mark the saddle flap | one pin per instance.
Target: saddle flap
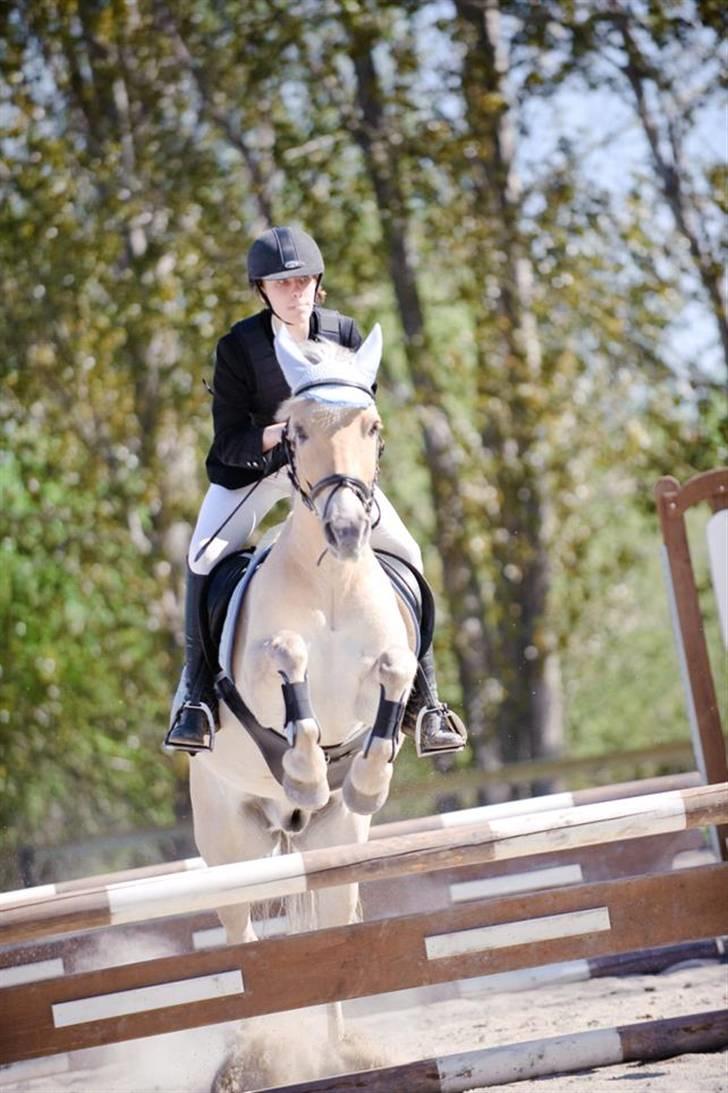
(227, 636)
(414, 592)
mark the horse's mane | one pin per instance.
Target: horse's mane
(322, 415)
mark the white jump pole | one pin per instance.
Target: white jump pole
(287, 874)
(457, 818)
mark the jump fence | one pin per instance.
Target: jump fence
(482, 937)
(458, 818)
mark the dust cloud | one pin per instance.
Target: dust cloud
(293, 1047)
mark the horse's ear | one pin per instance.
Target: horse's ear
(296, 368)
(369, 355)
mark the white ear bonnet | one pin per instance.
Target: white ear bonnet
(332, 381)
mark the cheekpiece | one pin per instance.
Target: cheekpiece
(335, 382)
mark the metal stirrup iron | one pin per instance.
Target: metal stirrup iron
(454, 723)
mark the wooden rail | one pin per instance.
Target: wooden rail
(269, 878)
(230, 983)
(678, 753)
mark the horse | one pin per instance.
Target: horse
(323, 649)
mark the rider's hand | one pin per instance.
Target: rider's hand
(272, 435)
(275, 459)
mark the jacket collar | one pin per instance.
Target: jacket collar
(266, 317)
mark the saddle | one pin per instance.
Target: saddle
(219, 613)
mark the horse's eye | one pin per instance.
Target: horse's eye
(300, 433)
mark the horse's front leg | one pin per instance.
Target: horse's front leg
(367, 784)
(304, 765)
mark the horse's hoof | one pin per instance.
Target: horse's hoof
(363, 804)
(310, 795)
(367, 784)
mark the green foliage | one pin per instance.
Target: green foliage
(80, 700)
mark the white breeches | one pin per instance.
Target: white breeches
(211, 541)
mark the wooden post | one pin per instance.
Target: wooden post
(672, 503)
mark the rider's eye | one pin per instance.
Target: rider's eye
(374, 428)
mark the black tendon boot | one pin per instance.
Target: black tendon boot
(195, 720)
(435, 728)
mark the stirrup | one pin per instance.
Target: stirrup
(454, 723)
(190, 746)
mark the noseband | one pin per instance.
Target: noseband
(337, 482)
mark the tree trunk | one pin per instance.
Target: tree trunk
(443, 455)
(527, 707)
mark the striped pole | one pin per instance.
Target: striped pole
(640, 962)
(440, 820)
(288, 874)
(644, 1042)
(530, 806)
(83, 884)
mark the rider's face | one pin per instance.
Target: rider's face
(292, 299)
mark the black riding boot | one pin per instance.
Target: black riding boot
(195, 721)
(435, 728)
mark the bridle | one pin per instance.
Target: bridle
(336, 482)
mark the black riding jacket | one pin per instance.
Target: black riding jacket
(248, 387)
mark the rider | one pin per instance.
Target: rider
(246, 467)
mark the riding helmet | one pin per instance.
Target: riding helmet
(284, 252)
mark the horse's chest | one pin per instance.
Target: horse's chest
(360, 630)
(346, 649)
(342, 631)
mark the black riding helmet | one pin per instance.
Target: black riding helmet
(284, 252)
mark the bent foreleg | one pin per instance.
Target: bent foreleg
(367, 783)
(304, 764)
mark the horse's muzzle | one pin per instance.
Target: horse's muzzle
(346, 538)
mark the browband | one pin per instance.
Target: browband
(332, 383)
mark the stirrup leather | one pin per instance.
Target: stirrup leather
(454, 724)
(189, 746)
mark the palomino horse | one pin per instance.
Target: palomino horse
(324, 649)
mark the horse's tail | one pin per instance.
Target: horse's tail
(295, 913)
(301, 908)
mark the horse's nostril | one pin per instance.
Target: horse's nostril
(341, 534)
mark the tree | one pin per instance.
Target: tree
(378, 140)
(664, 58)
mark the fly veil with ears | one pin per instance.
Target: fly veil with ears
(324, 380)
